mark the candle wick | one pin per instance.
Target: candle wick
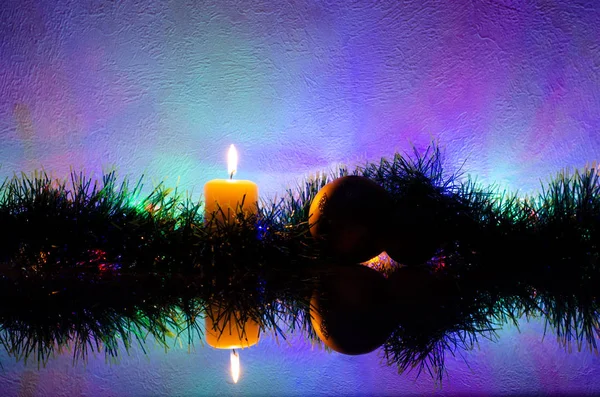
(231, 175)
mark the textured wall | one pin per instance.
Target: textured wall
(162, 88)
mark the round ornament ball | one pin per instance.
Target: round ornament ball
(350, 310)
(349, 216)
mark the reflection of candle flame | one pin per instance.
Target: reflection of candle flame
(232, 159)
(235, 366)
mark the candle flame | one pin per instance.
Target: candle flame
(235, 366)
(232, 159)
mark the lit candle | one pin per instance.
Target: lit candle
(223, 199)
(227, 195)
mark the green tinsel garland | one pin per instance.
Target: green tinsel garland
(91, 265)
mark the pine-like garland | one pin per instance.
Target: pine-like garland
(91, 264)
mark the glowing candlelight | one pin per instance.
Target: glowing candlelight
(234, 358)
(232, 160)
(229, 194)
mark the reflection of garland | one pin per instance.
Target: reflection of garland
(95, 265)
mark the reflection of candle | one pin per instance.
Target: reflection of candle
(226, 334)
(228, 194)
(234, 360)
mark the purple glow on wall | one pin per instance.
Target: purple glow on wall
(517, 364)
(508, 88)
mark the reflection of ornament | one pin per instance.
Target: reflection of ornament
(349, 216)
(350, 310)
